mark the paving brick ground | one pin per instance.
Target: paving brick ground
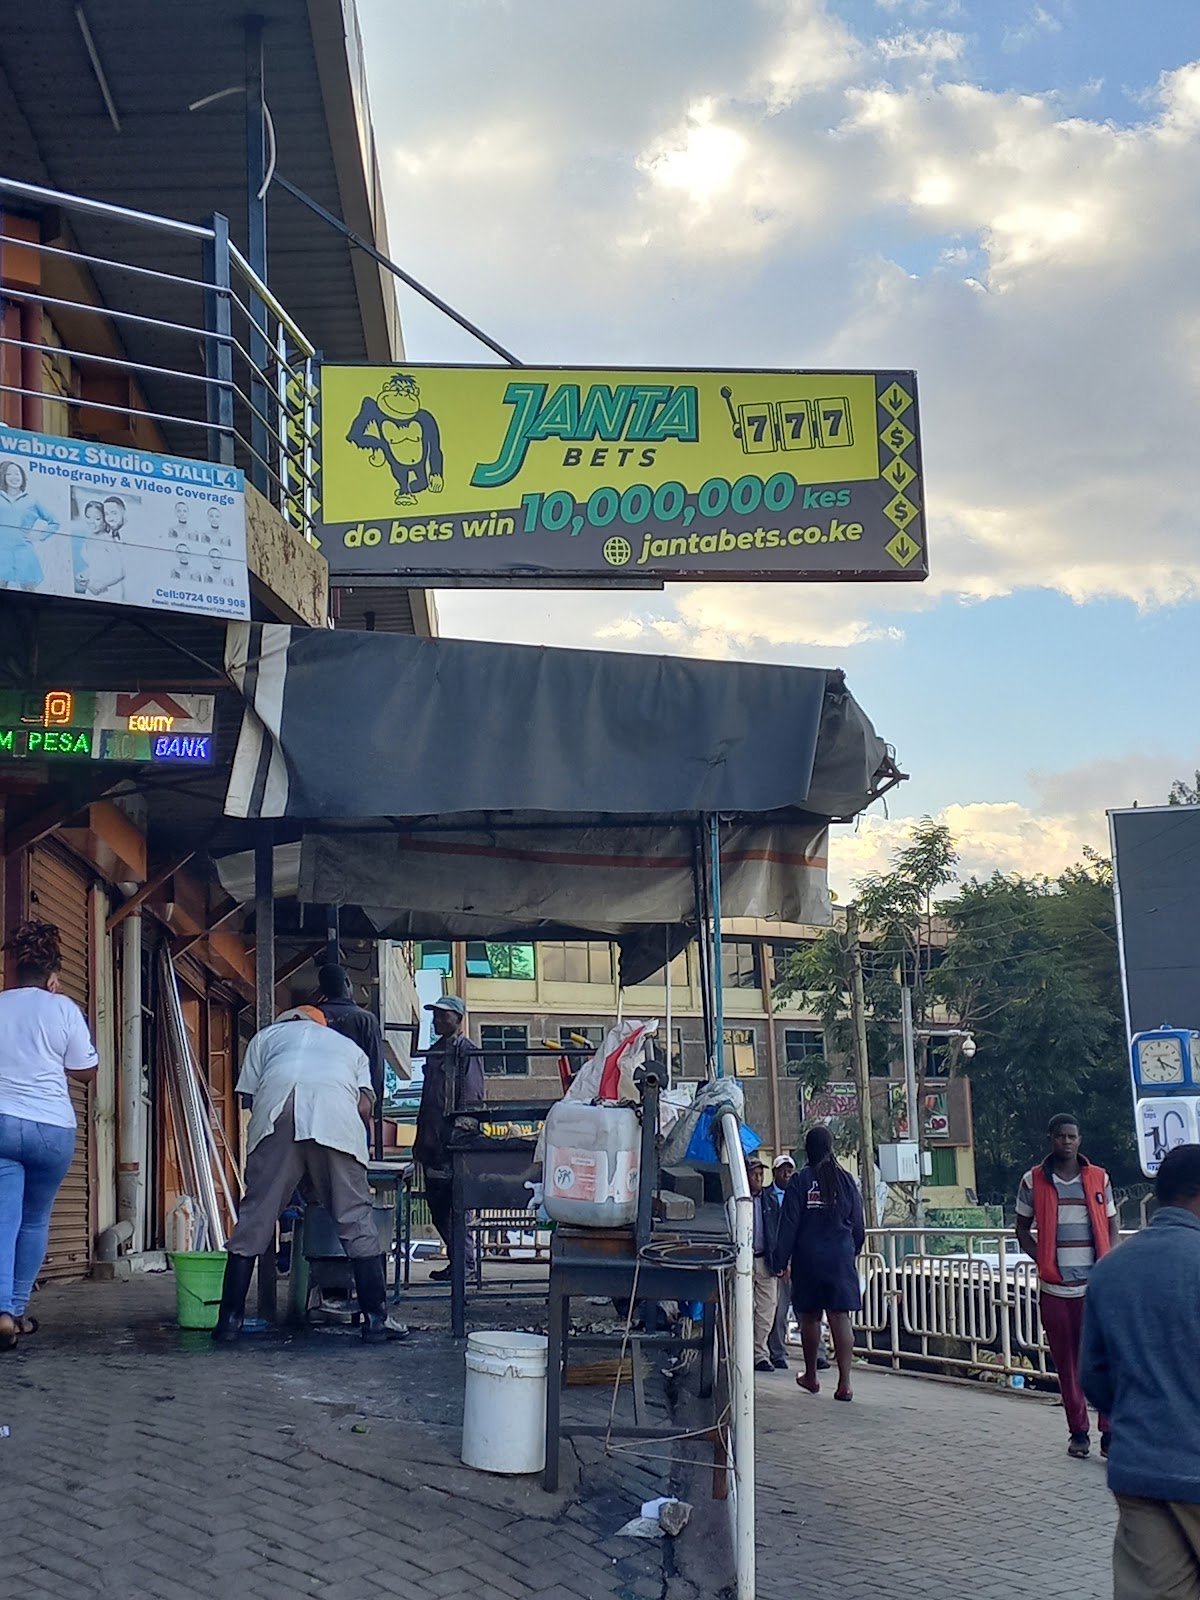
(147, 1464)
(925, 1488)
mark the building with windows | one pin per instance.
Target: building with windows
(526, 998)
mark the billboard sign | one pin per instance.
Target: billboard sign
(599, 476)
(1156, 871)
(121, 525)
(86, 725)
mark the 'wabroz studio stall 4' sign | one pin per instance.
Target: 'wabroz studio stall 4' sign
(473, 474)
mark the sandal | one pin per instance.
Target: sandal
(810, 1384)
(26, 1325)
(843, 1394)
(8, 1331)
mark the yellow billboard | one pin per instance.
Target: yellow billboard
(599, 475)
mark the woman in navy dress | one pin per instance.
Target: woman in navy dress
(820, 1235)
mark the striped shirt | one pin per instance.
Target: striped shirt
(1075, 1248)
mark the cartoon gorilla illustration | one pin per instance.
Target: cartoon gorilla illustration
(395, 430)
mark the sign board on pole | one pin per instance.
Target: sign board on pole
(595, 476)
(121, 525)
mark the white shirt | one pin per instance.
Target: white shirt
(325, 1072)
(43, 1036)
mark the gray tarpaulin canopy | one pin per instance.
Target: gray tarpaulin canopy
(465, 790)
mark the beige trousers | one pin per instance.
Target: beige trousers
(1156, 1553)
(766, 1300)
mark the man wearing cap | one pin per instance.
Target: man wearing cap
(782, 1173)
(310, 1099)
(454, 1081)
(766, 1293)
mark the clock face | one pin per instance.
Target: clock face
(1160, 1061)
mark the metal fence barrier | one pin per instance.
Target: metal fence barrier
(961, 1301)
(231, 374)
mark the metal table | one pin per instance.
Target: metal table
(489, 1173)
(596, 1262)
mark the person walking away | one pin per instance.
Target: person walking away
(1067, 1220)
(352, 1021)
(454, 1081)
(766, 1232)
(309, 1092)
(43, 1037)
(821, 1232)
(1138, 1364)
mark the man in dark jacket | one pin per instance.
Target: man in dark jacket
(454, 1081)
(1138, 1364)
(766, 1294)
(352, 1021)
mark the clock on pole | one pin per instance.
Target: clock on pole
(1166, 1061)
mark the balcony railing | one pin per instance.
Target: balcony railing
(161, 337)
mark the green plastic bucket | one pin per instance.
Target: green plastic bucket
(199, 1275)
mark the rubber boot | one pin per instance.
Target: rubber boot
(238, 1272)
(370, 1283)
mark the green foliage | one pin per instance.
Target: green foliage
(1184, 793)
(1032, 971)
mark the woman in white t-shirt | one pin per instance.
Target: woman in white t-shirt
(43, 1036)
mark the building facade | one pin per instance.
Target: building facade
(524, 999)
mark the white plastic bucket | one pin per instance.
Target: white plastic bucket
(504, 1410)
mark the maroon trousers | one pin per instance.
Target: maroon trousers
(1062, 1322)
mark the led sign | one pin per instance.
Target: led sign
(67, 724)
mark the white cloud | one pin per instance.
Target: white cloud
(811, 51)
(715, 208)
(1067, 815)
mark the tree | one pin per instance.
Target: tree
(896, 909)
(1032, 971)
(1184, 793)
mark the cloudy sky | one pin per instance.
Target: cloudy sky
(1003, 195)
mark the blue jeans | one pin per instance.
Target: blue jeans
(34, 1158)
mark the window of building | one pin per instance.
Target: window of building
(577, 961)
(786, 955)
(503, 1046)
(944, 1168)
(799, 1046)
(740, 1055)
(499, 960)
(739, 964)
(434, 955)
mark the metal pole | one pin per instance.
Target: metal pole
(131, 1182)
(767, 961)
(862, 1072)
(910, 1094)
(381, 260)
(218, 350)
(667, 1007)
(714, 846)
(742, 1377)
(256, 252)
(264, 975)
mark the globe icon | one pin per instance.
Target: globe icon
(618, 552)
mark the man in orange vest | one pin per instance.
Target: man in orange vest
(1067, 1220)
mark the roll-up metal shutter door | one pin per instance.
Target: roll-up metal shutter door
(58, 893)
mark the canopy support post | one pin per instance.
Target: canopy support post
(264, 973)
(718, 982)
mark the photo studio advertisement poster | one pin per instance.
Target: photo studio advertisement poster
(121, 525)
